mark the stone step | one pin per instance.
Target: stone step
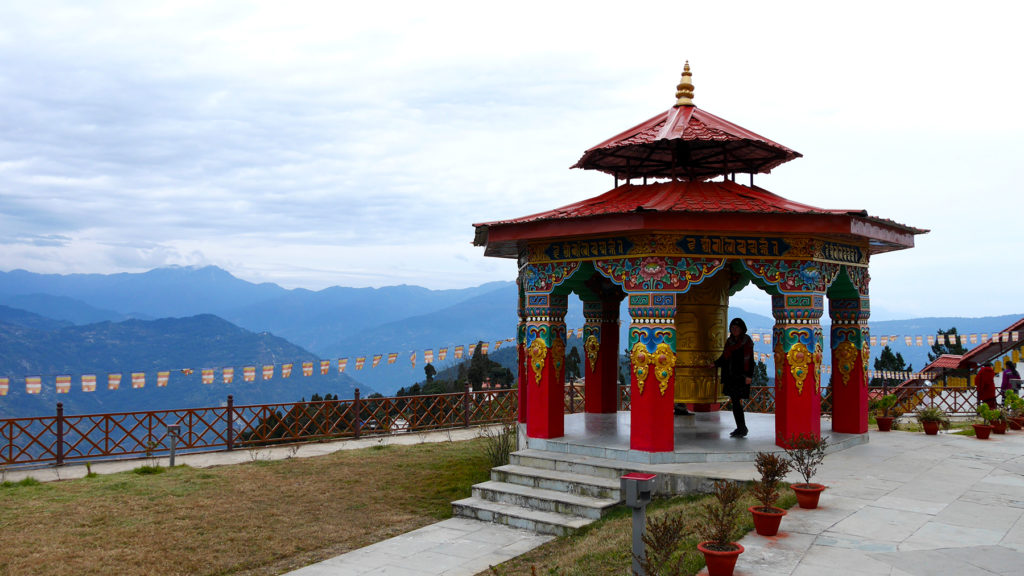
(541, 499)
(540, 521)
(574, 463)
(565, 482)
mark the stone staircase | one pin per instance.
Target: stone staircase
(545, 492)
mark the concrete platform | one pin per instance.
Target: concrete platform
(702, 437)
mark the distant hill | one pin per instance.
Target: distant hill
(160, 293)
(336, 322)
(28, 348)
(67, 309)
(328, 321)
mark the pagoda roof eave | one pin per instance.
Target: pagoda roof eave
(721, 206)
(505, 239)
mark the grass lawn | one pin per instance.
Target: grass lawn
(604, 547)
(262, 517)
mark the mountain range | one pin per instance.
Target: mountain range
(200, 317)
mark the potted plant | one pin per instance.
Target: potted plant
(767, 516)
(1014, 405)
(805, 453)
(931, 418)
(982, 431)
(881, 407)
(716, 525)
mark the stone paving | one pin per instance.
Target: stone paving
(902, 504)
(906, 504)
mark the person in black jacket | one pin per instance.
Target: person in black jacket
(737, 364)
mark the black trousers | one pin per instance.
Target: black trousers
(737, 413)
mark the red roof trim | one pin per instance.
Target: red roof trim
(988, 350)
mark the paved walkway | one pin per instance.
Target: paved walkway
(903, 504)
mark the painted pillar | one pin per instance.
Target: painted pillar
(798, 356)
(652, 356)
(545, 350)
(850, 350)
(600, 356)
(524, 361)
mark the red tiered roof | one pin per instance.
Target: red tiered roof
(688, 146)
(685, 142)
(693, 206)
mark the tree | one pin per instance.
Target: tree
(952, 345)
(477, 368)
(760, 375)
(430, 371)
(572, 364)
(889, 362)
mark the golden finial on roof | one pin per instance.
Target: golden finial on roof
(684, 91)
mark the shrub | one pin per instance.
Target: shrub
(663, 539)
(772, 469)
(718, 519)
(805, 453)
(882, 406)
(933, 414)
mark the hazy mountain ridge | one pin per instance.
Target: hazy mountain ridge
(333, 323)
(177, 345)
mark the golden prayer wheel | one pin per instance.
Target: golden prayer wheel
(702, 319)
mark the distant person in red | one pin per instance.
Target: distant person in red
(985, 382)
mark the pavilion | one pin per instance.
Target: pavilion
(677, 235)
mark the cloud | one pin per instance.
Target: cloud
(321, 143)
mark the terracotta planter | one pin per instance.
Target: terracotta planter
(807, 494)
(1013, 423)
(931, 427)
(884, 423)
(767, 523)
(720, 562)
(999, 427)
(981, 431)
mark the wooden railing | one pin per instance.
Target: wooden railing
(65, 438)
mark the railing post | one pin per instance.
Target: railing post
(60, 433)
(230, 416)
(572, 398)
(465, 406)
(357, 408)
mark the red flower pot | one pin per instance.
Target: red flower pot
(981, 431)
(931, 427)
(767, 523)
(807, 494)
(999, 427)
(884, 423)
(1013, 423)
(720, 562)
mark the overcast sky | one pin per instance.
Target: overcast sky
(337, 143)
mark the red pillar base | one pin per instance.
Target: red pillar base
(850, 407)
(796, 413)
(652, 421)
(522, 384)
(545, 411)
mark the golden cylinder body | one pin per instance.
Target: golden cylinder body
(702, 319)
